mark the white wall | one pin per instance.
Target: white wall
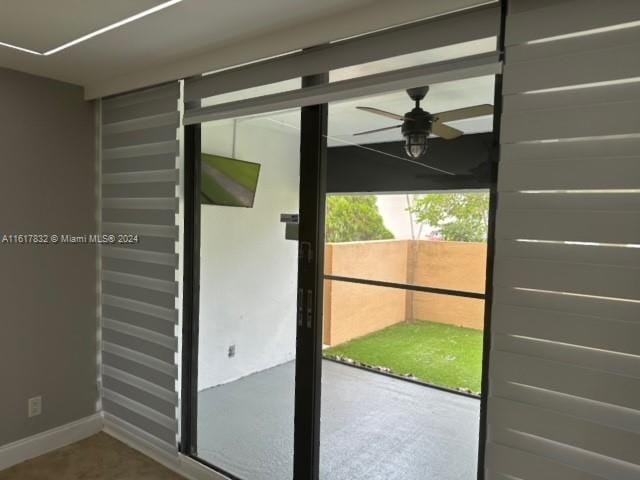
(248, 272)
(393, 208)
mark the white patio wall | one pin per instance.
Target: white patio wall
(248, 270)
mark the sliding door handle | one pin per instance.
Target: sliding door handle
(309, 308)
(300, 307)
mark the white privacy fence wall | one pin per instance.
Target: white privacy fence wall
(565, 365)
(139, 316)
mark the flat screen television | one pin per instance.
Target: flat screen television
(227, 181)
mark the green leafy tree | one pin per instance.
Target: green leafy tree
(354, 218)
(456, 216)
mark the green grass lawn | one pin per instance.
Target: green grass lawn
(435, 353)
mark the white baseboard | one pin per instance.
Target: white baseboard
(42, 443)
(140, 441)
(45, 442)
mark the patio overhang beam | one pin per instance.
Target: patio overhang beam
(404, 286)
(376, 168)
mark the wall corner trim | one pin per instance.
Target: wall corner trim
(45, 442)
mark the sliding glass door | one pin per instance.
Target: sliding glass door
(406, 233)
(244, 373)
(337, 285)
(336, 251)
(356, 352)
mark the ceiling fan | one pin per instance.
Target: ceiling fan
(418, 123)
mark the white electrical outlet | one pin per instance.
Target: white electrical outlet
(34, 406)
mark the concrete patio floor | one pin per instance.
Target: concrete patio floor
(373, 427)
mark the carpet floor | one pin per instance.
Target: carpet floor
(100, 457)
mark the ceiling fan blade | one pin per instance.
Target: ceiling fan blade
(462, 113)
(377, 130)
(377, 111)
(445, 131)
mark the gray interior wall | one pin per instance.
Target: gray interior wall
(47, 293)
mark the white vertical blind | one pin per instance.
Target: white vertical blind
(139, 287)
(564, 397)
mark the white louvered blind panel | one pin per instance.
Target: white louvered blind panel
(463, 26)
(564, 396)
(139, 287)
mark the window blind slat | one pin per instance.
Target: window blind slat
(587, 279)
(168, 396)
(168, 314)
(583, 330)
(546, 18)
(150, 108)
(141, 281)
(441, 31)
(604, 172)
(138, 290)
(572, 122)
(465, 67)
(567, 429)
(522, 465)
(586, 148)
(571, 225)
(171, 90)
(158, 148)
(605, 414)
(167, 231)
(584, 254)
(535, 51)
(170, 175)
(578, 458)
(559, 376)
(614, 63)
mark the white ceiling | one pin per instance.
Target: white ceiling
(187, 38)
(43, 25)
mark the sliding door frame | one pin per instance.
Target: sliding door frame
(191, 291)
(491, 245)
(313, 159)
(313, 186)
(313, 152)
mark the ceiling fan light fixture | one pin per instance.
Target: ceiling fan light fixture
(415, 145)
(418, 124)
